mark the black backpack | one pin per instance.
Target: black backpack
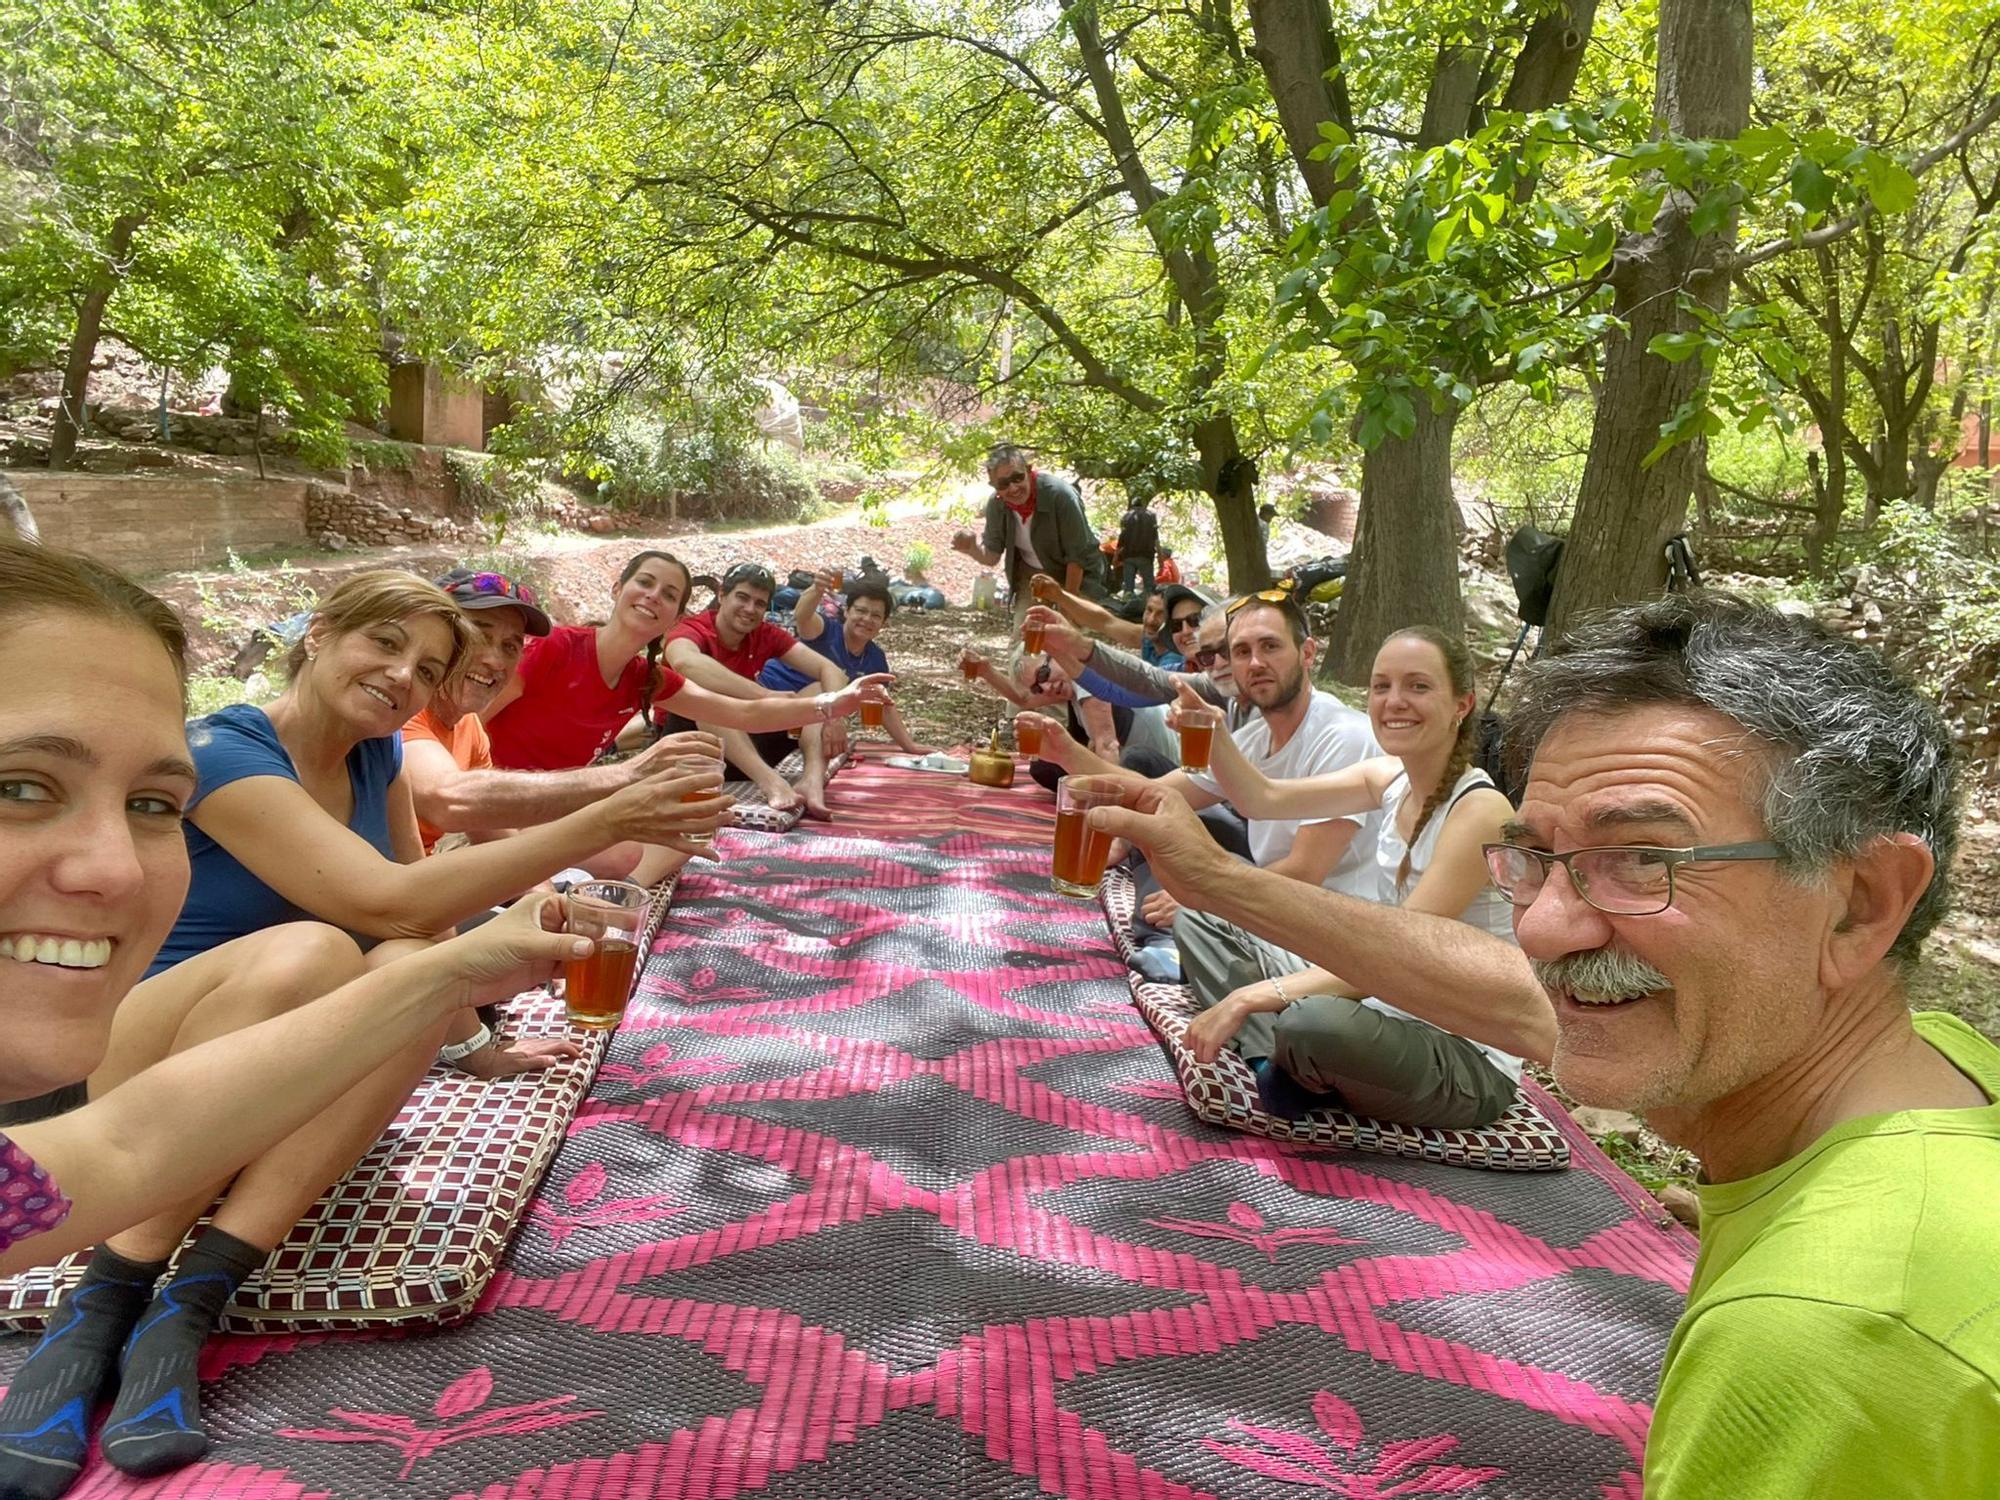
(1491, 757)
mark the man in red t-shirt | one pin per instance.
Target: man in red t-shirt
(448, 760)
(724, 648)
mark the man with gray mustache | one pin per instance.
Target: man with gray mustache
(1737, 830)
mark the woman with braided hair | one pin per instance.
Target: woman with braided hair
(1335, 1046)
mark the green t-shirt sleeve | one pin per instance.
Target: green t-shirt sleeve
(1776, 1398)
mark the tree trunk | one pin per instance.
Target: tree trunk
(83, 343)
(1625, 511)
(1407, 525)
(1229, 480)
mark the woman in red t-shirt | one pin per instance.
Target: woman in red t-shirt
(579, 685)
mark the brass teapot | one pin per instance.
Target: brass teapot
(992, 766)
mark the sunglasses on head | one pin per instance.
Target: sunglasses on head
(493, 583)
(750, 573)
(1262, 596)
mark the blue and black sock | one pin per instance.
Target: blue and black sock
(45, 1420)
(155, 1424)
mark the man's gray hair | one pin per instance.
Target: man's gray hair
(1852, 751)
(1006, 453)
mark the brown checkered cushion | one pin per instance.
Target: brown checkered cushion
(753, 812)
(1224, 1092)
(416, 1230)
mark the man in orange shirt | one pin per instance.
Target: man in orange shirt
(448, 759)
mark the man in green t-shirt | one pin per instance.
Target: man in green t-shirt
(1755, 822)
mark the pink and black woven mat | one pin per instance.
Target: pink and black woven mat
(884, 1190)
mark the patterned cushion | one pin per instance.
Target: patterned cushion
(753, 812)
(1224, 1092)
(415, 1231)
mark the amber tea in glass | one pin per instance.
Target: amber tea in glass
(1081, 851)
(1028, 738)
(871, 714)
(595, 989)
(1031, 636)
(1197, 730)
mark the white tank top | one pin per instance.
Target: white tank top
(1489, 910)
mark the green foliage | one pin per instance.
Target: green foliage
(202, 165)
(917, 559)
(1932, 557)
(252, 593)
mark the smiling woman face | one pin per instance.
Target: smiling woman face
(94, 774)
(376, 677)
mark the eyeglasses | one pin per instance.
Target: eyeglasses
(1621, 880)
(1185, 622)
(1008, 482)
(1262, 596)
(492, 583)
(1204, 657)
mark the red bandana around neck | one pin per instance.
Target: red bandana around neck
(1026, 509)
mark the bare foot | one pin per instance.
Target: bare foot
(812, 790)
(781, 796)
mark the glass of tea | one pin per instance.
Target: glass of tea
(610, 913)
(1031, 636)
(836, 579)
(707, 840)
(969, 665)
(1197, 728)
(871, 714)
(1028, 737)
(1081, 851)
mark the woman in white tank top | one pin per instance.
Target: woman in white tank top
(1436, 809)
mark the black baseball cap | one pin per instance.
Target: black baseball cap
(470, 590)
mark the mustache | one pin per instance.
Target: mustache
(1602, 971)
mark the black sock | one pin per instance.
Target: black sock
(155, 1424)
(45, 1420)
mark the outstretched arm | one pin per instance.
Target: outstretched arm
(1437, 968)
(488, 800)
(196, 1117)
(1084, 613)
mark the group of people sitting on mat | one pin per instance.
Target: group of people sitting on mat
(1385, 807)
(173, 894)
(1734, 833)
(225, 968)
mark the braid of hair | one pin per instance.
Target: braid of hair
(1454, 767)
(653, 679)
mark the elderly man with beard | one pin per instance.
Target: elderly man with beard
(449, 761)
(1735, 835)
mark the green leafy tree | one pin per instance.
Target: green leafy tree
(191, 169)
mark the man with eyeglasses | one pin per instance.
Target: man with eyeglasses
(723, 648)
(1736, 832)
(448, 760)
(1034, 524)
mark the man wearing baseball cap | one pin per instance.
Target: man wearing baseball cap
(448, 760)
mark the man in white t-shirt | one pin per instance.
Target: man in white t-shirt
(1296, 731)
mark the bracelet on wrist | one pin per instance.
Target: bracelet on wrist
(1278, 989)
(454, 1052)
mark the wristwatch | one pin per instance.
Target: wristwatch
(459, 1051)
